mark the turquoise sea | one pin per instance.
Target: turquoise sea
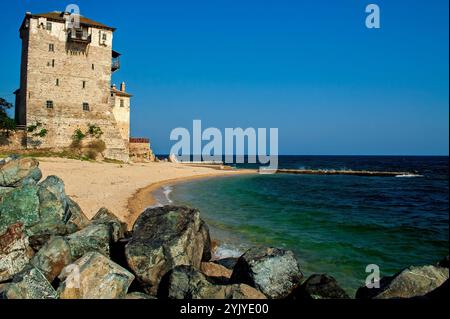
(334, 224)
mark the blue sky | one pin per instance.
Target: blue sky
(310, 68)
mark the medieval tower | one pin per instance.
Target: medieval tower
(65, 82)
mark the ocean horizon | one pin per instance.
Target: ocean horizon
(335, 224)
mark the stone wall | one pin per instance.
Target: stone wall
(15, 140)
(121, 111)
(140, 150)
(70, 75)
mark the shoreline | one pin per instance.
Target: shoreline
(144, 197)
(125, 189)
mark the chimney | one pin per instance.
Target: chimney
(122, 86)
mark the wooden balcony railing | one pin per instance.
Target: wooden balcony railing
(139, 140)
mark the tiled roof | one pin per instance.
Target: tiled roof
(59, 17)
(120, 93)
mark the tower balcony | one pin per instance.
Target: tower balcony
(78, 36)
(115, 64)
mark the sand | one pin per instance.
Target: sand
(125, 189)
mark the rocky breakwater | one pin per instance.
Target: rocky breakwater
(49, 250)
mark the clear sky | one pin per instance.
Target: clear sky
(309, 67)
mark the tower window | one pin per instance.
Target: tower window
(84, 84)
(93, 67)
(53, 63)
(104, 36)
(57, 82)
(85, 106)
(49, 104)
(122, 104)
(51, 47)
(49, 26)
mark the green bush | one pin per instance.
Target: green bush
(94, 131)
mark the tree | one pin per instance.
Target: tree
(7, 124)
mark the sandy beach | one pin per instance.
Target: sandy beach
(125, 189)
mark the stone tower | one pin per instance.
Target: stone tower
(65, 82)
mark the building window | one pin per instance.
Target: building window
(51, 47)
(104, 36)
(49, 104)
(49, 26)
(57, 82)
(93, 67)
(84, 84)
(122, 103)
(85, 106)
(53, 63)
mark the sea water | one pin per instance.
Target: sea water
(335, 224)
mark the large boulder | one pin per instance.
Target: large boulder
(185, 282)
(94, 237)
(13, 171)
(30, 283)
(94, 276)
(15, 252)
(165, 237)
(44, 209)
(275, 272)
(410, 282)
(56, 207)
(53, 257)
(320, 286)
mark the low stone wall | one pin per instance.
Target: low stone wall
(16, 140)
(140, 149)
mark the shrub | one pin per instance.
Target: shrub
(94, 131)
(77, 138)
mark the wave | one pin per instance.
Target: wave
(409, 175)
(226, 251)
(166, 191)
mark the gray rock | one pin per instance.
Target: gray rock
(94, 277)
(185, 282)
(52, 258)
(104, 216)
(320, 286)
(94, 237)
(76, 219)
(30, 283)
(165, 237)
(20, 205)
(275, 272)
(410, 282)
(52, 198)
(15, 252)
(14, 170)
